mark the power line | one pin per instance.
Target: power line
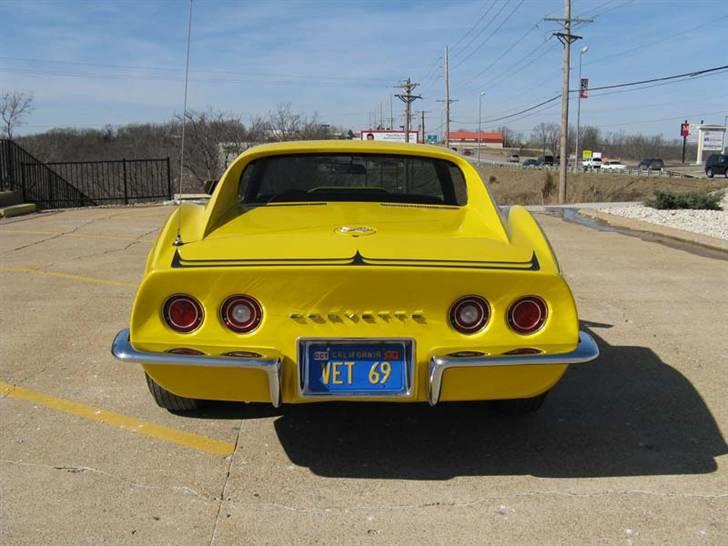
(661, 38)
(487, 39)
(601, 10)
(517, 67)
(665, 78)
(671, 79)
(506, 51)
(475, 37)
(472, 28)
(169, 69)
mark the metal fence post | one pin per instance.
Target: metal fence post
(126, 189)
(169, 181)
(22, 181)
(50, 188)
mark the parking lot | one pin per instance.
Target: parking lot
(628, 450)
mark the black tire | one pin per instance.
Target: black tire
(709, 172)
(521, 406)
(169, 401)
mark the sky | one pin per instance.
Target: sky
(90, 63)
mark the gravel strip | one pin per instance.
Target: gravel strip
(713, 223)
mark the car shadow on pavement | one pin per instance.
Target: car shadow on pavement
(627, 414)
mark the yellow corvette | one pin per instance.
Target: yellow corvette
(355, 271)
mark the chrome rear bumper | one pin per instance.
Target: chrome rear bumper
(585, 351)
(123, 350)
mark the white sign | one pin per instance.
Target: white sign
(693, 136)
(713, 140)
(389, 136)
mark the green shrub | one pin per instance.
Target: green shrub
(689, 200)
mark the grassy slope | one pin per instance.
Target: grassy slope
(511, 186)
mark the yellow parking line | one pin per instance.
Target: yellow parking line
(70, 276)
(81, 235)
(124, 422)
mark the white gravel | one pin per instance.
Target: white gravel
(713, 223)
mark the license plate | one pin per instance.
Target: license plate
(364, 368)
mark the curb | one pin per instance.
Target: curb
(665, 231)
(17, 210)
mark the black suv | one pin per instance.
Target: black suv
(545, 160)
(716, 164)
(651, 164)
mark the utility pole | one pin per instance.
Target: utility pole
(422, 122)
(391, 114)
(447, 101)
(407, 86)
(566, 38)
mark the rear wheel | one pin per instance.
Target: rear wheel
(521, 406)
(709, 173)
(169, 401)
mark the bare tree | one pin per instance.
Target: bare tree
(284, 124)
(206, 133)
(14, 107)
(546, 135)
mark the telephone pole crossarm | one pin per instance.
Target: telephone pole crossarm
(407, 97)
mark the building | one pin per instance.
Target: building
(468, 140)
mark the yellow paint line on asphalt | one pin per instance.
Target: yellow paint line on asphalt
(81, 235)
(69, 276)
(124, 422)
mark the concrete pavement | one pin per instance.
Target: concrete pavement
(629, 450)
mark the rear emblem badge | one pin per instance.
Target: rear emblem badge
(355, 231)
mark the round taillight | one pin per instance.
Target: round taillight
(241, 314)
(183, 313)
(469, 314)
(527, 315)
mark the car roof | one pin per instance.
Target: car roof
(351, 146)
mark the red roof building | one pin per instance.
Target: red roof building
(491, 140)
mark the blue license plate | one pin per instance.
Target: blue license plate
(356, 367)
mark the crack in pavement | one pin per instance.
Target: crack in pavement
(224, 485)
(58, 235)
(478, 501)
(136, 240)
(76, 469)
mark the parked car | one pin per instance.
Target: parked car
(530, 163)
(593, 162)
(366, 290)
(545, 160)
(651, 164)
(514, 158)
(716, 164)
(613, 165)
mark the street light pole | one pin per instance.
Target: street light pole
(480, 117)
(578, 109)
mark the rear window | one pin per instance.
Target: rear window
(352, 177)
